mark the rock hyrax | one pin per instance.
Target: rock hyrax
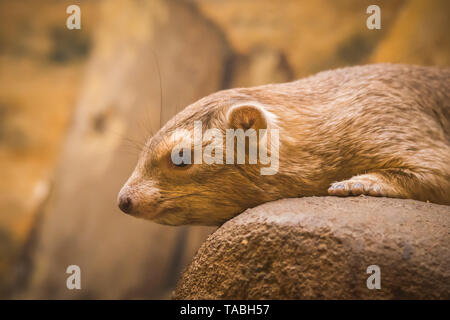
(377, 130)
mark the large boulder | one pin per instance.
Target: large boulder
(321, 248)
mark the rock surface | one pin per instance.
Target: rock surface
(320, 248)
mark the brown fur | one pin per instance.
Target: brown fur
(381, 130)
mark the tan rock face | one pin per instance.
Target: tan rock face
(418, 36)
(320, 248)
(40, 72)
(310, 35)
(121, 256)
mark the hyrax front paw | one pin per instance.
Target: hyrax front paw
(356, 186)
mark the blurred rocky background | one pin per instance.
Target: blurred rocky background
(76, 105)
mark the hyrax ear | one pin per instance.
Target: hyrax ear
(247, 116)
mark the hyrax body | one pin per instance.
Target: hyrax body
(377, 130)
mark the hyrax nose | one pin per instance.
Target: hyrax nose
(125, 203)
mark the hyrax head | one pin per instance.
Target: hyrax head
(195, 170)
